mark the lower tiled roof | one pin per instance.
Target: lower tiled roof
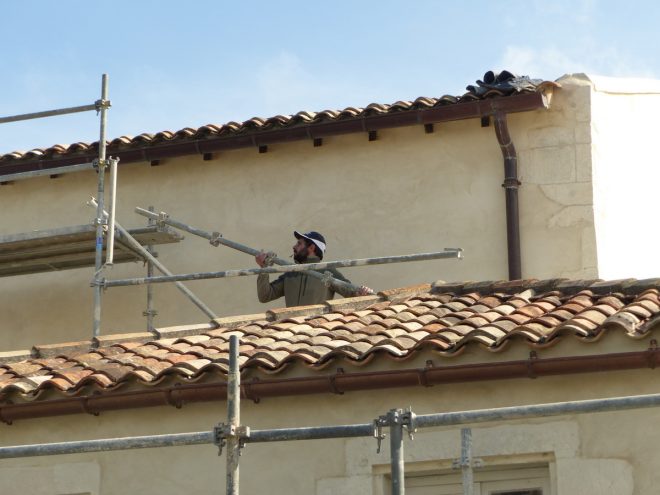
(393, 325)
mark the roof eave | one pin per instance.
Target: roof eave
(523, 102)
(179, 394)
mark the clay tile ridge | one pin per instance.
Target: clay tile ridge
(564, 286)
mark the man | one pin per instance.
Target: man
(299, 288)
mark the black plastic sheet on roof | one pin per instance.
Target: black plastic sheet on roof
(505, 81)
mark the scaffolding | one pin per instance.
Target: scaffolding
(231, 437)
(107, 229)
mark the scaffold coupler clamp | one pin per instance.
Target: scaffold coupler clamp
(224, 431)
(101, 104)
(215, 239)
(98, 164)
(379, 423)
(467, 463)
(409, 420)
(162, 218)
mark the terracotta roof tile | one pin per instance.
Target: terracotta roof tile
(443, 322)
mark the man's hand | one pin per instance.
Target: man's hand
(264, 259)
(261, 258)
(363, 290)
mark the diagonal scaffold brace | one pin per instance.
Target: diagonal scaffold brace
(128, 238)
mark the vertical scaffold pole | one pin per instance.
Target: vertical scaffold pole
(233, 416)
(150, 312)
(100, 218)
(466, 461)
(395, 420)
(112, 207)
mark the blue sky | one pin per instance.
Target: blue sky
(175, 64)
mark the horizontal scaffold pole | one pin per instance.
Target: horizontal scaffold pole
(338, 431)
(48, 113)
(108, 444)
(448, 253)
(538, 410)
(47, 171)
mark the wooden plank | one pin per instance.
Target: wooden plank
(69, 247)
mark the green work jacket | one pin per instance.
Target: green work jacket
(298, 288)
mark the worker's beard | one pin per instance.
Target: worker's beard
(300, 256)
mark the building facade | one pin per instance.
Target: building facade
(384, 180)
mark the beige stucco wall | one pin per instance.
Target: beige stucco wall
(611, 453)
(557, 227)
(406, 192)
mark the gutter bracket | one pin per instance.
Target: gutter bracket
(247, 391)
(333, 382)
(8, 422)
(652, 354)
(85, 407)
(530, 365)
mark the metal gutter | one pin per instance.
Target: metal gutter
(262, 137)
(337, 383)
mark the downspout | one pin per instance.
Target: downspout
(510, 185)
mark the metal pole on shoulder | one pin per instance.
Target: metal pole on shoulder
(216, 239)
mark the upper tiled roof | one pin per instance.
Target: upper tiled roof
(394, 325)
(488, 89)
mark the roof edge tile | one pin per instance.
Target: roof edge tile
(609, 286)
(117, 338)
(237, 321)
(572, 287)
(404, 292)
(53, 350)
(442, 287)
(183, 330)
(639, 286)
(352, 303)
(292, 312)
(514, 286)
(14, 356)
